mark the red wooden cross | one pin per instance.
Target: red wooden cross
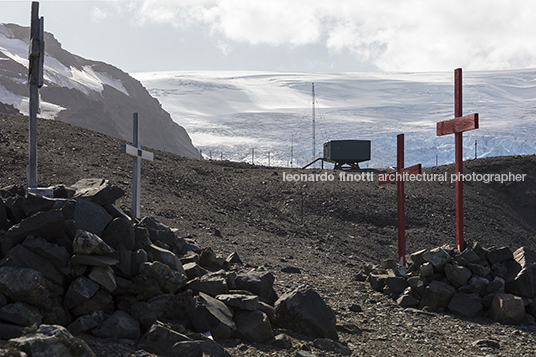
(457, 126)
(402, 173)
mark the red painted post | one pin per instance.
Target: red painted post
(400, 201)
(457, 126)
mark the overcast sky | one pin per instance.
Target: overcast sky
(292, 35)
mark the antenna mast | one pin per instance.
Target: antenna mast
(314, 137)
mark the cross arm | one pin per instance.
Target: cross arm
(458, 125)
(133, 151)
(399, 175)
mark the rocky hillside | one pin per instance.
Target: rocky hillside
(322, 234)
(86, 93)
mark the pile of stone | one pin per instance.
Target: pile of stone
(74, 263)
(495, 282)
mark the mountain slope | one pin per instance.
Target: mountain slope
(86, 93)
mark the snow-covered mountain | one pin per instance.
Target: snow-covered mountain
(86, 93)
(229, 113)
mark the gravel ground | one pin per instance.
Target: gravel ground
(328, 230)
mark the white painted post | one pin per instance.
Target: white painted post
(138, 154)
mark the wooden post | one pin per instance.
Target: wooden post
(36, 56)
(457, 126)
(138, 154)
(399, 176)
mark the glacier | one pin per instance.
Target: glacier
(229, 113)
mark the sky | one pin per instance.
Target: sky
(292, 35)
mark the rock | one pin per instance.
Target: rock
(104, 276)
(54, 253)
(119, 231)
(438, 258)
(193, 270)
(207, 258)
(427, 269)
(479, 285)
(15, 209)
(253, 326)
(89, 243)
(86, 323)
(90, 217)
(4, 221)
(164, 256)
(406, 300)
(325, 344)
(418, 284)
(141, 237)
(90, 259)
(160, 232)
(233, 258)
(98, 302)
(417, 257)
(169, 280)
(521, 277)
(282, 341)
(119, 325)
(466, 305)
(210, 314)
(172, 307)
(496, 285)
(259, 283)
(47, 225)
(395, 286)
(80, 290)
(499, 255)
(9, 331)
(36, 203)
(377, 281)
(267, 309)
(457, 275)
(20, 257)
(241, 301)
(24, 284)
(98, 191)
(480, 268)
(507, 309)
(486, 343)
(466, 257)
(499, 270)
(124, 257)
(143, 312)
(21, 314)
(163, 341)
(137, 258)
(437, 295)
(211, 284)
(303, 310)
(144, 288)
(52, 340)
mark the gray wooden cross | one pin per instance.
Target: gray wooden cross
(138, 154)
(36, 58)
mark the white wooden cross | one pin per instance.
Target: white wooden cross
(138, 154)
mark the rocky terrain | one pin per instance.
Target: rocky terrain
(323, 234)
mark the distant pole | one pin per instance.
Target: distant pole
(292, 151)
(252, 156)
(314, 134)
(221, 156)
(436, 159)
(201, 154)
(164, 156)
(475, 149)
(36, 56)
(268, 159)
(210, 154)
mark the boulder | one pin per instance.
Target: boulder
(20, 257)
(86, 323)
(496, 285)
(436, 295)
(521, 276)
(54, 253)
(479, 285)
(52, 340)
(21, 313)
(303, 310)
(80, 290)
(210, 314)
(90, 259)
(143, 312)
(104, 276)
(90, 217)
(119, 231)
(457, 275)
(119, 325)
(417, 258)
(212, 284)
(165, 256)
(98, 302)
(426, 269)
(377, 281)
(207, 258)
(141, 237)
(4, 221)
(137, 258)
(438, 257)
(89, 243)
(466, 257)
(253, 326)
(507, 309)
(240, 301)
(480, 268)
(48, 225)
(9, 331)
(499, 255)
(36, 203)
(124, 257)
(407, 300)
(15, 209)
(466, 305)
(169, 280)
(98, 191)
(172, 307)
(193, 270)
(159, 232)
(418, 284)
(258, 282)
(233, 258)
(25, 284)
(395, 285)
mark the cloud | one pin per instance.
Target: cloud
(393, 35)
